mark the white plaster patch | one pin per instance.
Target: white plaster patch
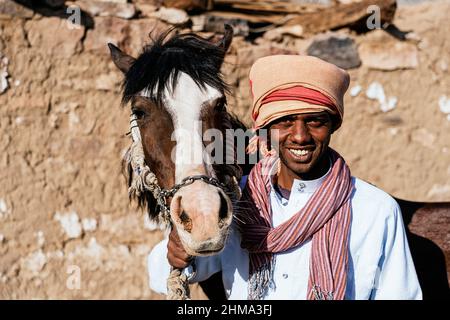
(19, 120)
(35, 262)
(3, 208)
(40, 238)
(89, 224)
(354, 91)
(393, 131)
(444, 104)
(376, 92)
(92, 250)
(2, 238)
(70, 223)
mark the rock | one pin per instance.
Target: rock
(188, 4)
(352, 13)
(145, 10)
(376, 92)
(11, 9)
(214, 23)
(383, 52)
(107, 29)
(53, 37)
(335, 48)
(70, 224)
(108, 9)
(171, 15)
(444, 104)
(354, 91)
(278, 33)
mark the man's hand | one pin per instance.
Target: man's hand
(176, 255)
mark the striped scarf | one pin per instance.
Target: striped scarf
(325, 219)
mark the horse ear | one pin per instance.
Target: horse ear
(225, 42)
(120, 59)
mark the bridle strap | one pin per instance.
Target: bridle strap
(144, 179)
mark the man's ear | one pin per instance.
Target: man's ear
(120, 59)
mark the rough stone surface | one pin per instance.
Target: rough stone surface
(11, 9)
(335, 48)
(383, 52)
(54, 37)
(107, 9)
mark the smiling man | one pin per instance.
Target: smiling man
(305, 228)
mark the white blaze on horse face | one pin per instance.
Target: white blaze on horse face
(200, 201)
(185, 104)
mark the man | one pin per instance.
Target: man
(306, 228)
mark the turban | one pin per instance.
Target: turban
(290, 84)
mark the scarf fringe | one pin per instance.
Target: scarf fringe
(261, 280)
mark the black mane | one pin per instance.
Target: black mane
(167, 56)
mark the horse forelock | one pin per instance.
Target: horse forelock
(161, 63)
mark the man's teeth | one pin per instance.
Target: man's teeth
(299, 152)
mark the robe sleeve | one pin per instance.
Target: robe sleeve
(159, 268)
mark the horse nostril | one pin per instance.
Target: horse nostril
(186, 221)
(223, 211)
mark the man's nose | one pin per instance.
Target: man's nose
(300, 133)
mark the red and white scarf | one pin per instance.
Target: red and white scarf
(325, 219)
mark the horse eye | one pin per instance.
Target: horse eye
(139, 114)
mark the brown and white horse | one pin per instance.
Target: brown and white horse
(177, 93)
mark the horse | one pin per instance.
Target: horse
(177, 93)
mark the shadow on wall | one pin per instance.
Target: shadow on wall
(429, 259)
(58, 9)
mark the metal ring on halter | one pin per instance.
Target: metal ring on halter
(166, 193)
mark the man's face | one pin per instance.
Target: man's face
(302, 140)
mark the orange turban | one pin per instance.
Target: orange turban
(290, 84)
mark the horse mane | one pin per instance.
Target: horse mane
(159, 66)
(166, 57)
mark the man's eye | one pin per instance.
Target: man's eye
(317, 122)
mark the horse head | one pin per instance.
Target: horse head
(177, 93)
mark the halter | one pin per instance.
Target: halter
(144, 179)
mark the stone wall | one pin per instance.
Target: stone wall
(63, 203)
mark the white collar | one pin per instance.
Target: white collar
(303, 186)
